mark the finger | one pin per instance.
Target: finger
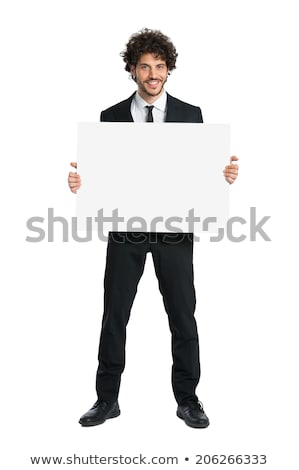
(229, 180)
(230, 170)
(230, 173)
(231, 176)
(74, 164)
(74, 178)
(74, 185)
(233, 166)
(234, 177)
(73, 175)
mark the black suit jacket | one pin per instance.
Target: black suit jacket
(176, 111)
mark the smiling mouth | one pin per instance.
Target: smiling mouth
(153, 83)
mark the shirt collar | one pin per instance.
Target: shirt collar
(160, 103)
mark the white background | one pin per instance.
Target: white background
(60, 65)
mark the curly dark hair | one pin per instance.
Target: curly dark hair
(149, 41)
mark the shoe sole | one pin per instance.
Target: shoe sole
(192, 425)
(95, 423)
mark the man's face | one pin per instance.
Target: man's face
(151, 74)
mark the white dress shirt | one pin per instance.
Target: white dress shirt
(139, 110)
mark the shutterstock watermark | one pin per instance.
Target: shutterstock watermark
(55, 227)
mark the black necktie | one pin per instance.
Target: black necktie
(150, 114)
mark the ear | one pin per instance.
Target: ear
(133, 71)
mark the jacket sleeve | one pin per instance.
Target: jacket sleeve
(106, 116)
(200, 118)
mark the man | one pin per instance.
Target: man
(149, 56)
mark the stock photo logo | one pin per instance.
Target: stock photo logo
(58, 228)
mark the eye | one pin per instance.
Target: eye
(144, 67)
(161, 66)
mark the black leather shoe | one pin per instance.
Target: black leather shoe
(98, 414)
(193, 414)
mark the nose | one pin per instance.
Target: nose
(152, 74)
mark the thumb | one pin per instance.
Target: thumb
(232, 159)
(74, 164)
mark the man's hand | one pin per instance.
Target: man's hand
(74, 179)
(231, 171)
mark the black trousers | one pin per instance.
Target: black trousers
(173, 260)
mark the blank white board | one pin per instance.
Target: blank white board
(155, 177)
